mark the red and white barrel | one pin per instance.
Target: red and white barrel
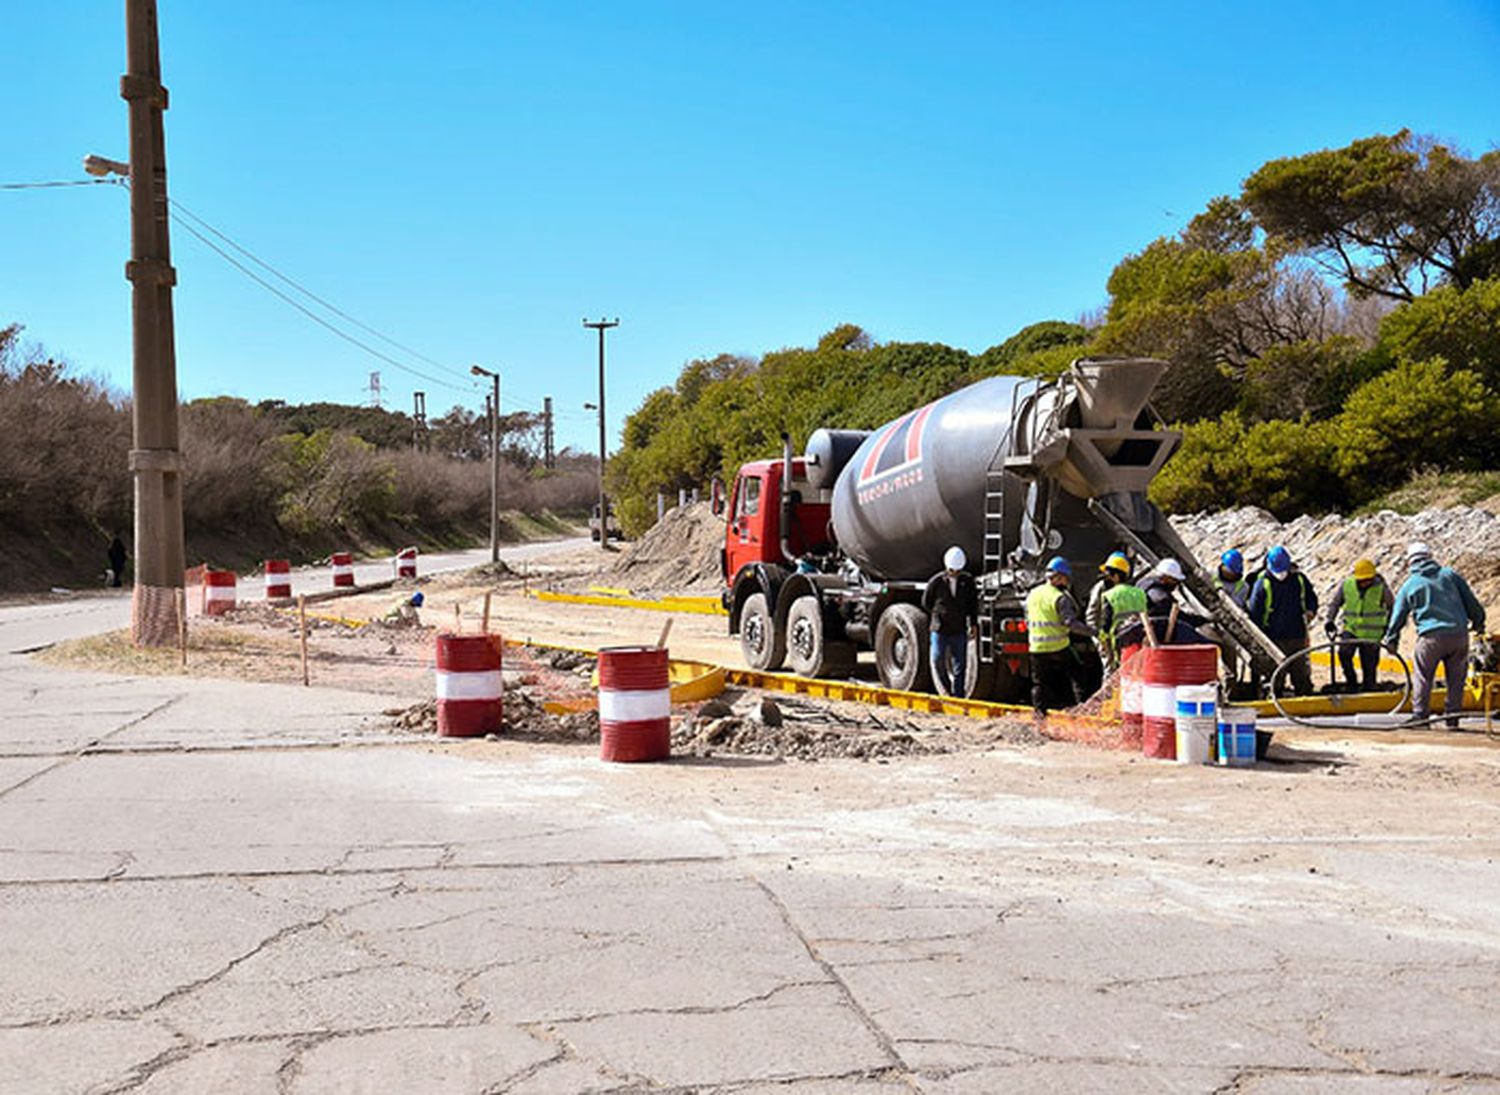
(635, 703)
(1130, 696)
(406, 563)
(218, 592)
(1163, 668)
(278, 579)
(469, 685)
(343, 568)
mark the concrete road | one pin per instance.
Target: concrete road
(208, 886)
(30, 627)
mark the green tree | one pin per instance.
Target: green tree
(1389, 215)
(1282, 466)
(1419, 414)
(1461, 326)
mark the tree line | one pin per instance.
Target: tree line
(1331, 330)
(273, 478)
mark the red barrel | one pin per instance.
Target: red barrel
(278, 579)
(635, 703)
(1163, 668)
(406, 563)
(218, 592)
(1130, 696)
(469, 686)
(343, 568)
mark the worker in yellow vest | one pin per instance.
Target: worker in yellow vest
(1051, 622)
(1364, 601)
(1119, 603)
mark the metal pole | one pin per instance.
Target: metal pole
(601, 326)
(495, 471)
(155, 459)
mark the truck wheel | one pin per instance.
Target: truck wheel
(901, 648)
(807, 651)
(761, 644)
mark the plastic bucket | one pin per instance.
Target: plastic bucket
(218, 592)
(343, 568)
(1235, 737)
(635, 704)
(1197, 706)
(1130, 695)
(1163, 668)
(278, 579)
(469, 686)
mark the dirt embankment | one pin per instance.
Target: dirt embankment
(679, 554)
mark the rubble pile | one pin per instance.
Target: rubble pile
(680, 554)
(1327, 547)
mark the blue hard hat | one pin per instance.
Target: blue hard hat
(416, 599)
(1278, 560)
(1233, 562)
(1058, 565)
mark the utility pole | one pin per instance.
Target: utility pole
(494, 408)
(602, 325)
(549, 457)
(155, 455)
(419, 421)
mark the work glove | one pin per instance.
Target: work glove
(1331, 631)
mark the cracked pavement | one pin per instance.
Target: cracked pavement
(208, 886)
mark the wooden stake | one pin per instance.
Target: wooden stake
(487, 594)
(665, 631)
(458, 619)
(180, 603)
(302, 630)
(1172, 622)
(1150, 635)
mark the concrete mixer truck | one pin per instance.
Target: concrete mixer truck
(828, 554)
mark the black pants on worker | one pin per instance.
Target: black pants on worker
(1369, 663)
(1054, 674)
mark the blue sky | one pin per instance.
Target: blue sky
(473, 179)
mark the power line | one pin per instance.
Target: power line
(304, 290)
(309, 313)
(59, 183)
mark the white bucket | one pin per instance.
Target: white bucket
(1197, 705)
(1235, 740)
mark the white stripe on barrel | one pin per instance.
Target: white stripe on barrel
(469, 686)
(406, 563)
(635, 703)
(278, 579)
(218, 592)
(343, 568)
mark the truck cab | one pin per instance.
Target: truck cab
(753, 530)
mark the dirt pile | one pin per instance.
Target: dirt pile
(1327, 547)
(680, 554)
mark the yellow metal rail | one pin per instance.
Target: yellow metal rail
(702, 606)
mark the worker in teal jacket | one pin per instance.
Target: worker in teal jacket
(1442, 606)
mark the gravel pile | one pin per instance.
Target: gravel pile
(1327, 547)
(680, 554)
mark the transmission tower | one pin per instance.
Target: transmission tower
(374, 390)
(419, 420)
(549, 457)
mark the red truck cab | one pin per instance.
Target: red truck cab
(753, 530)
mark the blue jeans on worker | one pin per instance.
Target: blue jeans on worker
(950, 650)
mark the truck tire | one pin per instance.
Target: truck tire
(808, 651)
(762, 646)
(901, 649)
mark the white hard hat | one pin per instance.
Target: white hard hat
(1171, 568)
(1417, 549)
(954, 558)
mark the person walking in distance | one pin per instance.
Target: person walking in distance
(951, 601)
(1051, 621)
(1440, 604)
(1283, 602)
(1365, 601)
(116, 561)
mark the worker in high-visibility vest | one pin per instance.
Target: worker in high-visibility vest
(1051, 622)
(1231, 576)
(1282, 603)
(1118, 604)
(1364, 600)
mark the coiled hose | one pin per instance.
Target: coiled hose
(1279, 675)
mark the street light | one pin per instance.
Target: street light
(494, 461)
(602, 325)
(100, 166)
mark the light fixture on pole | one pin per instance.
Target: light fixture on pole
(494, 461)
(602, 325)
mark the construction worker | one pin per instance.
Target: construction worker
(1283, 602)
(951, 601)
(1365, 601)
(1051, 621)
(1440, 603)
(1118, 602)
(1231, 577)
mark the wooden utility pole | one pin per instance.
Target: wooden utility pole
(155, 457)
(493, 406)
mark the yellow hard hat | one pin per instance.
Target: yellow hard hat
(1364, 570)
(1116, 561)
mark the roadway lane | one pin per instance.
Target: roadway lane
(25, 628)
